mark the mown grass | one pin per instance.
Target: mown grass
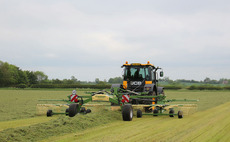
(59, 126)
(21, 105)
(209, 125)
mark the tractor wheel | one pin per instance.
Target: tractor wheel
(139, 113)
(88, 110)
(127, 112)
(49, 113)
(171, 112)
(82, 109)
(73, 109)
(180, 114)
(67, 111)
(155, 111)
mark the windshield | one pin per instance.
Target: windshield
(135, 73)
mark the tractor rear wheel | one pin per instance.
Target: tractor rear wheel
(155, 112)
(127, 112)
(73, 109)
(171, 112)
(49, 113)
(139, 113)
(180, 114)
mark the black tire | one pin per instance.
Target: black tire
(180, 114)
(127, 112)
(67, 111)
(88, 110)
(73, 109)
(155, 112)
(49, 113)
(139, 113)
(171, 113)
(82, 109)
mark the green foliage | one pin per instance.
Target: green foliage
(204, 87)
(172, 87)
(227, 87)
(97, 86)
(32, 79)
(115, 80)
(12, 76)
(21, 86)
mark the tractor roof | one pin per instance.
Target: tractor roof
(138, 64)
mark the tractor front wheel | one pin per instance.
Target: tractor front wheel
(73, 109)
(127, 112)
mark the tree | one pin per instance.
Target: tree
(56, 81)
(207, 80)
(115, 80)
(40, 76)
(32, 78)
(97, 80)
(74, 79)
(23, 79)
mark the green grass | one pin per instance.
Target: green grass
(209, 125)
(19, 122)
(19, 104)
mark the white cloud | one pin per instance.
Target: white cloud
(77, 36)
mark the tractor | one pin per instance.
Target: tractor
(141, 78)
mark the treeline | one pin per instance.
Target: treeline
(13, 76)
(196, 87)
(207, 80)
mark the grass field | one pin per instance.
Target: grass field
(19, 122)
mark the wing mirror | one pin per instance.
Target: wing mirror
(161, 74)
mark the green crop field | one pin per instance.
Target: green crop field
(19, 120)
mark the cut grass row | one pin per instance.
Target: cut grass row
(209, 125)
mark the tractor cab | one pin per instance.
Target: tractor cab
(140, 77)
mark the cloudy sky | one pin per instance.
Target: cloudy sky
(189, 39)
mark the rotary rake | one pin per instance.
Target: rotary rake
(139, 91)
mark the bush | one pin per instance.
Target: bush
(172, 87)
(227, 87)
(21, 86)
(204, 87)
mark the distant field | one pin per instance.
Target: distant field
(19, 122)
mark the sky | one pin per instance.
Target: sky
(92, 38)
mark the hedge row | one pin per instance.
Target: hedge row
(172, 87)
(70, 86)
(208, 87)
(107, 86)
